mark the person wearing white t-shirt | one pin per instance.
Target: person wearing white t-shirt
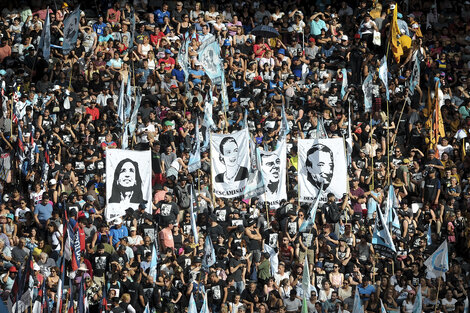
(449, 302)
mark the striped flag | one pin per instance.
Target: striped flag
(383, 74)
(153, 264)
(71, 24)
(45, 41)
(193, 215)
(209, 254)
(312, 214)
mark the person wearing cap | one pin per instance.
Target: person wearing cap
(168, 62)
(8, 279)
(117, 232)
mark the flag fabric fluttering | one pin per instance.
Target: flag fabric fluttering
(132, 28)
(428, 236)
(415, 75)
(306, 286)
(438, 262)
(121, 103)
(285, 129)
(383, 74)
(395, 34)
(194, 162)
(367, 88)
(357, 306)
(205, 305)
(192, 305)
(153, 264)
(45, 41)
(312, 213)
(193, 216)
(344, 85)
(71, 24)
(391, 216)
(209, 254)
(133, 120)
(381, 238)
(208, 122)
(418, 305)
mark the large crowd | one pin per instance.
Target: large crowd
(60, 115)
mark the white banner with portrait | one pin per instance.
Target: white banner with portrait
(230, 161)
(128, 181)
(322, 161)
(273, 168)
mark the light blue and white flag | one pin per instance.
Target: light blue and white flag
(183, 58)
(208, 122)
(71, 24)
(306, 286)
(415, 75)
(383, 74)
(382, 308)
(153, 264)
(438, 262)
(205, 305)
(192, 304)
(121, 103)
(209, 254)
(381, 238)
(418, 305)
(132, 29)
(367, 90)
(357, 306)
(312, 213)
(125, 138)
(193, 216)
(45, 41)
(391, 216)
(133, 121)
(128, 99)
(428, 236)
(344, 85)
(285, 129)
(147, 309)
(194, 162)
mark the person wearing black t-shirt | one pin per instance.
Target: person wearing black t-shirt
(170, 296)
(168, 211)
(100, 264)
(215, 292)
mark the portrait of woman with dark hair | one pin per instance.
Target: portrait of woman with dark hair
(127, 183)
(229, 156)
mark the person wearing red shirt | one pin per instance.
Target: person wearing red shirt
(93, 111)
(168, 62)
(156, 37)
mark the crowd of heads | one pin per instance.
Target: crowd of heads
(60, 116)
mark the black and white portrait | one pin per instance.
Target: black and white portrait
(128, 181)
(322, 168)
(230, 160)
(229, 157)
(273, 168)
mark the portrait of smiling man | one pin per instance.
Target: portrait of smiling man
(320, 166)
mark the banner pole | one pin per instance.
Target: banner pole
(437, 295)
(212, 171)
(388, 143)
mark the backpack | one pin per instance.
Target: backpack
(183, 197)
(334, 214)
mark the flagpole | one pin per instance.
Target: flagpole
(399, 119)
(212, 171)
(437, 295)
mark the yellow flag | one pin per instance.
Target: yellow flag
(395, 34)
